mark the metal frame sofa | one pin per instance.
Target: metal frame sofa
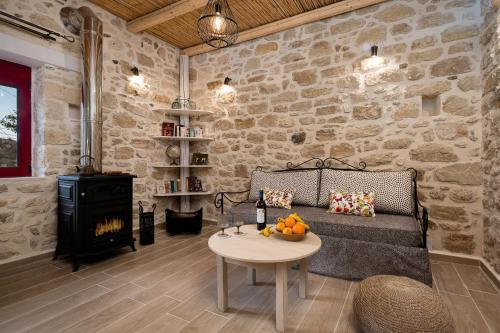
(353, 247)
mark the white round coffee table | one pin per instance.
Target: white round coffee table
(256, 251)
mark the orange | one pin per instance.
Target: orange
(290, 222)
(287, 231)
(280, 226)
(299, 228)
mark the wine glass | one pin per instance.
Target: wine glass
(238, 222)
(222, 224)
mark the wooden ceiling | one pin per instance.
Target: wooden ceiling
(181, 16)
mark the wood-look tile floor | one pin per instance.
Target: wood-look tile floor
(171, 287)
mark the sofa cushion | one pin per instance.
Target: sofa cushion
(384, 228)
(305, 183)
(393, 189)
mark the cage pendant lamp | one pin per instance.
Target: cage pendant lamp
(217, 26)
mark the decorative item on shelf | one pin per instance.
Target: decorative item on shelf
(183, 103)
(160, 188)
(194, 184)
(198, 132)
(167, 129)
(217, 26)
(176, 104)
(173, 152)
(189, 104)
(199, 159)
(146, 225)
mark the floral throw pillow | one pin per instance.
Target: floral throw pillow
(354, 203)
(278, 198)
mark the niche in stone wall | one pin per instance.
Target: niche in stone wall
(431, 105)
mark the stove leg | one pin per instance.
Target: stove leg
(76, 264)
(132, 245)
(56, 254)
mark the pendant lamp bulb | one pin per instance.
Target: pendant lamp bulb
(216, 25)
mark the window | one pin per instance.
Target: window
(15, 120)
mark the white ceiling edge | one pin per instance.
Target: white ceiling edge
(31, 54)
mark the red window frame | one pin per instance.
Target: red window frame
(19, 76)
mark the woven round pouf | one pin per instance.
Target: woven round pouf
(395, 304)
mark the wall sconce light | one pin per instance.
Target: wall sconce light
(136, 78)
(374, 61)
(226, 88)
(227, 93)
(136, 85)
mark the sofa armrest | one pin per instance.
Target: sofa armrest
(424, 222)
(219, 199)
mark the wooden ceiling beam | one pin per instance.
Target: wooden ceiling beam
(290, 22)
(164, 14)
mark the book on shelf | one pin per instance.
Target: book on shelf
(193, 184)
(178, 130)
(173, 186)
(185, 132)
(167, 129)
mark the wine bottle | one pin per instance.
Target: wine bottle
(261, 211)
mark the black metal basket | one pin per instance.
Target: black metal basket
(146, 225)
(183, 222)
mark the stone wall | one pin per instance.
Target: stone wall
(28, 206)
(491, 134)
(314, 91)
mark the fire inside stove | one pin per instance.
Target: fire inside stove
(109, 224)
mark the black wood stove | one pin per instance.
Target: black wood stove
(94, 215)
(95, 210)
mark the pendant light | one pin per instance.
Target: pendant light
(217, 26)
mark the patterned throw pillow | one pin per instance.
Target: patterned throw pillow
(352, 203)
(278, 198)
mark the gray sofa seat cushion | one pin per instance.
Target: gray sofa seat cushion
(354, 259)
(393, 189)
(305, 183)
(384, 228)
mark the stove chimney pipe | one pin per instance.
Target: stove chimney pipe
(86, 24)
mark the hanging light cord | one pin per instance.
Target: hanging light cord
(33, 28)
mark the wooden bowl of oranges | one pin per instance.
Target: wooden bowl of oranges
(291, 228)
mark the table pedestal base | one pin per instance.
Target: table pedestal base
(281, 270)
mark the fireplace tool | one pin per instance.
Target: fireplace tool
(146, 225)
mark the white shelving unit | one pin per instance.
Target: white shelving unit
(185, 166)
(170, 166)
(181, 138)
(183, 112)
